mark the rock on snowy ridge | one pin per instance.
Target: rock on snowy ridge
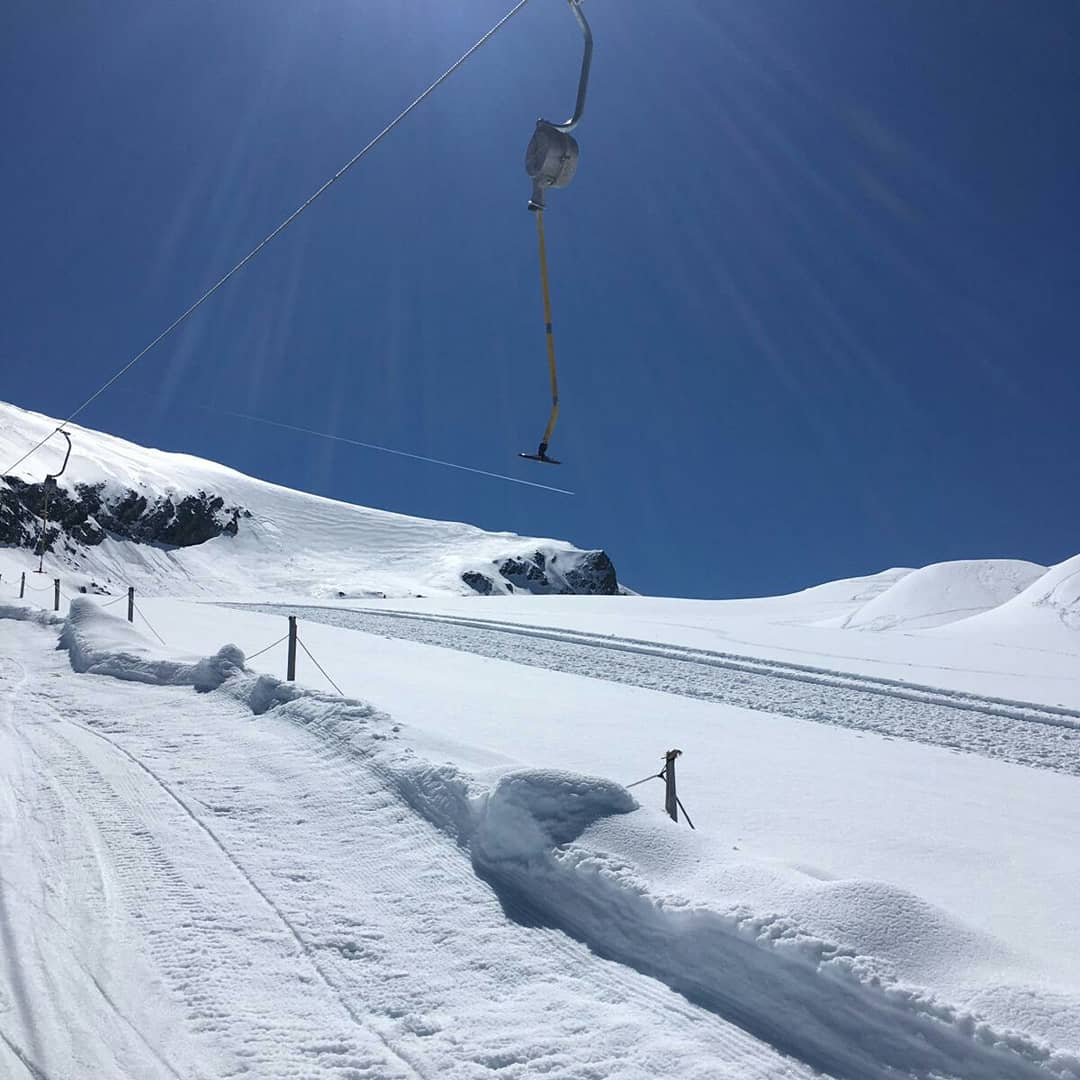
(588, 573)
(172, 524)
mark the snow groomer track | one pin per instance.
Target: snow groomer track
(265, 880)
(1041, 736)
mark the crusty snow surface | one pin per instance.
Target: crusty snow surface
(208, 871)
(440, 872)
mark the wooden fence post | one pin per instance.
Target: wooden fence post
(291, 670)
(131, 603)
(22, 586)
(671, 798)
(56, 594)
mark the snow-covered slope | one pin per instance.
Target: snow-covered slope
(452, 881)
(134, 516)
(335, 890)
(1048, 610)
(945, 593)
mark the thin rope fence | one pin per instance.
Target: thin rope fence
(149, 624)
(319, 666)
(252, 656)
(661, 775)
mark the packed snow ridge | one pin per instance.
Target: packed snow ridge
(560, 847)
(173, 524)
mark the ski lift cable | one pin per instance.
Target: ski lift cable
(388, 450)
(280, 228)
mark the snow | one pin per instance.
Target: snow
(291, 541)
(1046, 614)
(945, 593)
(100, 644)
(205, 870)
(576, 853)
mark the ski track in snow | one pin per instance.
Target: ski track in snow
(269, 879)
(1043, 737)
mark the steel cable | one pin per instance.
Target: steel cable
(280, 228)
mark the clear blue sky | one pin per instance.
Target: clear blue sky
(816, 284)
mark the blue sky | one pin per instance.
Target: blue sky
(815, 285)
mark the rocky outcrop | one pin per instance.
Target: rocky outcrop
(86, 515)
(587, 573)
(593, 574)
(478, 582)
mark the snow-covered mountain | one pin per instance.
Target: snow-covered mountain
(173, 524)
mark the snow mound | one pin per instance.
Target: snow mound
(944, 593)
(1046, 613)
(529, 812)
(24, 612)
(101, 644)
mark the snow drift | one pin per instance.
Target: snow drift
(944, 593)
(100, 644)
(566, 849)
(25, 612)
(1046, 612)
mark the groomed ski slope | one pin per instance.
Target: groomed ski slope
(841, 816)
(1027, 734)
(288, 883)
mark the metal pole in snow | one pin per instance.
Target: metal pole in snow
(131, 603)
(291, 670)
(22, 586)
(56, 594)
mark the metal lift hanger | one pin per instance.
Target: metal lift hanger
(551, 162)
(50, 483)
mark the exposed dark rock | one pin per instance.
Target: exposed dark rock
(527, 574)
(589, 573)
(480, 583)
(594, 575)
(85, 516)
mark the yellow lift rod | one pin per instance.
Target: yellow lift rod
(551, 161)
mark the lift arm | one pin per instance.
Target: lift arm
(552, 154)
(50, 483)
(586, 64)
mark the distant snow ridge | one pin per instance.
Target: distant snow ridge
(176, 525)
(1049, 604)
(529, 836)
(945, 593)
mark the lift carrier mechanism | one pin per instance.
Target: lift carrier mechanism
(50, 483)
(551, 162)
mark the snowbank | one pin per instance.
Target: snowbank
(17, 609)
(567, 850)
(945, 593)
(101, 644)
